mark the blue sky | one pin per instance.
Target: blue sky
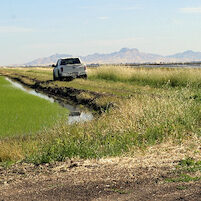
(36, 28)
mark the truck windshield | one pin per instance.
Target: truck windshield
(70, 61)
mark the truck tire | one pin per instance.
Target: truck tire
(54, 77)
(60, 77)
(85, 76)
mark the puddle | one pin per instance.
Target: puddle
(76, 113)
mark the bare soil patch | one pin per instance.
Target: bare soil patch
(142, 177)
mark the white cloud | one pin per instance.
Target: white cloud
(130, 8)
(103, 18)
(114, 7)
(190, 10)
(14, 29)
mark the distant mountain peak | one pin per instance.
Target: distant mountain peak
(188, 55)
(124, 55)
(47, 60)
(125, 49)
(188, 51)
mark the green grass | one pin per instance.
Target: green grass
(139, 122)
(189, 165)
(186, 171)
(152, 106)
(183, 178)
(25, 114)
(182, 188)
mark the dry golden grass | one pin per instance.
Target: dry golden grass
(11, 151)
(162, 155)
(150, 76)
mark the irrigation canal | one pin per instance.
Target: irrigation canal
(77, 114)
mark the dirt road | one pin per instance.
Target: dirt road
(142, 177)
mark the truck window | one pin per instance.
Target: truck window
(70, 61)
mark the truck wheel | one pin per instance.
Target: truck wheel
(60, 77)
(85, 77)
(54, 77)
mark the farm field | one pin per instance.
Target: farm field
(149, 106)
(149, 115)
(24, 114)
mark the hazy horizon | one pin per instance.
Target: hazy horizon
(35, 29)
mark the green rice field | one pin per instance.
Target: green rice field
(25, 114)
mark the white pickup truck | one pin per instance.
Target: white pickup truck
(69, 68)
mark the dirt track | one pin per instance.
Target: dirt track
(140, 178)
(96, 182)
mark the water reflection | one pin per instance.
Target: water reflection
(76, 113)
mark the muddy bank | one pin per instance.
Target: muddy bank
(69, 94)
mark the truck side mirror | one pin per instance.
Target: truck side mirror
(53, 65)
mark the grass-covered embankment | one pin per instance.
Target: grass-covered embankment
(25, 114)
(151, 106)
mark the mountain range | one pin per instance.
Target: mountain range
(125, 55)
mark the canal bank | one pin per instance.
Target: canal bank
(86, 98)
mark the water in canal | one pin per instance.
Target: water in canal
(76, 113)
